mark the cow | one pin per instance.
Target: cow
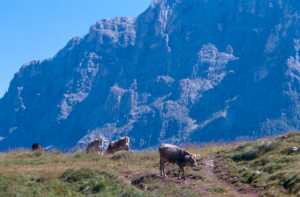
(121, 144)
(37, 147)
(95, 146)
(173, 154)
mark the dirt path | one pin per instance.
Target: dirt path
(208, 171)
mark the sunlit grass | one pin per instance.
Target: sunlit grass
(272, 164)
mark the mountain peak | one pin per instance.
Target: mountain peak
(164, 2)
(108, 31)
(190, 71)
(114, 24)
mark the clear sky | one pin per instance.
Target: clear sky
(37, 29)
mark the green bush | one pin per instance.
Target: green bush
(121, 155)
(291, 183)
(251, 151)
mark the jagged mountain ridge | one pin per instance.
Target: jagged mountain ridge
(188, 71)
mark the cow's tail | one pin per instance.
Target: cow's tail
(127, 140)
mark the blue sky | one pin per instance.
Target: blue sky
(37, 29)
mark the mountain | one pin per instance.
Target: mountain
(184, 71)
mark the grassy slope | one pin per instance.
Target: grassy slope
(53, 174)
(33, 174)
(267, 164)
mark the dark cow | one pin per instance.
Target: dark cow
(173, 154)
(37, 147)
(121, 144)
(95, 146)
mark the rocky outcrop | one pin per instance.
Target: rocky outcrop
(183, 72)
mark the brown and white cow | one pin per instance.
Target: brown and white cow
(119, 145)
(173, 154)
(95, 146)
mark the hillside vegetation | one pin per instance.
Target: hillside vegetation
(271, 165)
(268, 167)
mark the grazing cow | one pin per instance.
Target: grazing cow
(37, 147)
(95, 146)
(173, 154)
(121, 144)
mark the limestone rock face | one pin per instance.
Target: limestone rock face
(184, 71)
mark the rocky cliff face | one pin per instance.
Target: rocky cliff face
(184, 71)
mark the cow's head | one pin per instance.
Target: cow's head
(190, 160)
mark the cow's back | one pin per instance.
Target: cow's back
(119, 145)
(170, 153)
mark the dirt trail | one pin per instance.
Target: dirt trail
(221, 170)
(208, 171)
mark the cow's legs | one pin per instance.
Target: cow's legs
(183, 175)
(181, 171)
(162, 168)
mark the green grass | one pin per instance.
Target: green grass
(83, 182)
(216, 190)
(28, 174)
(269, 163)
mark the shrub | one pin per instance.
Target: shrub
(121, 155)
(251, 151)
(291, 183)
